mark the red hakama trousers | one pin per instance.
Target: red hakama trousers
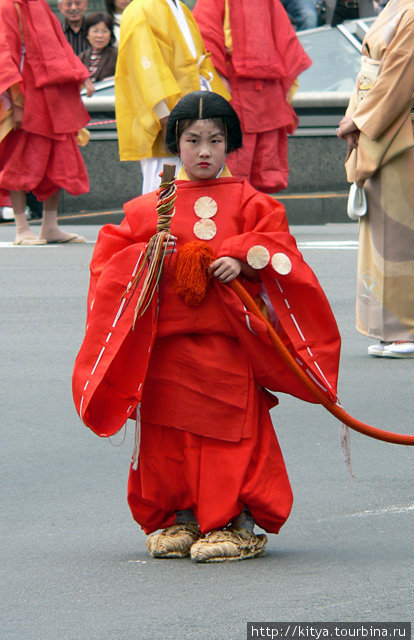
(31, 162)
(179, 470)
(262, 160)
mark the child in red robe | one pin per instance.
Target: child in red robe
(195, 372)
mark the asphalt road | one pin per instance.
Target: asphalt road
(74, 564)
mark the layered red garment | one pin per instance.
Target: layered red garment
(48, 75)
(264, 43)
(215, 478)
(199, 372)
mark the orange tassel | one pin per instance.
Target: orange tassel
(191, 275)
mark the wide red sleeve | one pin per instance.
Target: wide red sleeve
(295, 301)
(294, 56)
(111, 365)
(111, 240)
(49, 53)
(112, 361)
(51, 74)
(10, 47)
(209, 15)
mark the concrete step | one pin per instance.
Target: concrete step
(315, 208)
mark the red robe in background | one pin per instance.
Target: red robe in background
(39, 71)
(199, 373)
(261, 60)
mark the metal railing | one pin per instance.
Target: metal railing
(302, 100)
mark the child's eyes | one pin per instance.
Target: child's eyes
(195, 140)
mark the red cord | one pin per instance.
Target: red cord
(336, 410)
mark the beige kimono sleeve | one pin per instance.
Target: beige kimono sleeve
(391, 95)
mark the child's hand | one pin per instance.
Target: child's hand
(225, 269)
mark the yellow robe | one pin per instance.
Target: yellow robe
(155, 64)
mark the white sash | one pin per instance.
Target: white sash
(183, 24)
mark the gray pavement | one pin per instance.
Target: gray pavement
(74, 564)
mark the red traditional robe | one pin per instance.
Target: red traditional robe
(38, 69)
(199, 373)
(261, 61)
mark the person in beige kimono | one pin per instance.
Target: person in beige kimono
(378, 127)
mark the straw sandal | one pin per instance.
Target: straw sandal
(174, 541)
(228, 545)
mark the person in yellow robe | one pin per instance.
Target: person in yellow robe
(378, 127)
(161, 58)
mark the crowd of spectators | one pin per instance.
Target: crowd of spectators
(94, 36)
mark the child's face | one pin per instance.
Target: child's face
(99, 36)
(202, 150)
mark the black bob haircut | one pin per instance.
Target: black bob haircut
(204, 105)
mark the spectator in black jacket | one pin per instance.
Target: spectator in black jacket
(73, 23)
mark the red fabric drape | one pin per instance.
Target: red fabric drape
(51, 73)
(42, 156)
(265, 45)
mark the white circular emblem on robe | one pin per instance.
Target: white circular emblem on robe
(258, 257)
(281, 263)
(205, 207)
(205, 229)
(146, 62)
